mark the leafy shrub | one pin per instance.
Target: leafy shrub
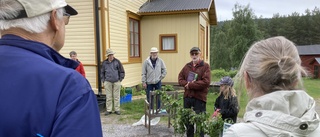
(233, 73)
(139, 87)
(212, 126)
(123, 91)
(136, 92)
(167, 88)
(219, 73)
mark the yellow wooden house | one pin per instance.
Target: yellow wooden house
(132, 27)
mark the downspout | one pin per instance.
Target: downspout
(97, 31)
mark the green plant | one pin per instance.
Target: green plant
(167, 88)
(232, 73)
(214, 126)
(203, 122)
(219, 73)
(138, 93)
(139, 87)
(123, 91)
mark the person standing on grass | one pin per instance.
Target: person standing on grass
(195, 78)
(271, 73)
(112, 73)
(227, 103)
(80, 69)
(153, 71)
(40, 93)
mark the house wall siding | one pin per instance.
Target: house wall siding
(80, 37)
(204, 21)
(306, 60)
(184, 25)
(119, 37)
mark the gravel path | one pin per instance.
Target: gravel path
(112, 127)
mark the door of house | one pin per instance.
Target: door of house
(316, 71)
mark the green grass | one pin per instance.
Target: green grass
(134, 110)
(312, 87)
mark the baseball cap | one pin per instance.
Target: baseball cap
(194, 49)
(226, 81)
(34, 8)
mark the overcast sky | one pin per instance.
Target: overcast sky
(266, 8)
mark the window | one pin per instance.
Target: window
(168, 43)
(202, 42)
(134, 47)
(134, 38)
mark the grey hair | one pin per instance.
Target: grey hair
(72, 53)
(11, 9)
(272, 64)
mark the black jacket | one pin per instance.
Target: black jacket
(228, 107)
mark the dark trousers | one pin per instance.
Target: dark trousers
(198, 106)
(152, 87)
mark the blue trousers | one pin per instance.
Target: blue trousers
(152, 87)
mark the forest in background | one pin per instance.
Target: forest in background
(231, 39)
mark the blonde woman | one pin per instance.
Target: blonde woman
(226, 104)
(271, 72)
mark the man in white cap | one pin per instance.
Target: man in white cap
(112, 73)
(153, 71)
(41, 95)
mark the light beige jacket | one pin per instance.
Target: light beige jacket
(279, 114)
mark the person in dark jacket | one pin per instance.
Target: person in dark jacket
(80, 68)
(227, 104)
(41, 95)
(195, 78)
(112, 73)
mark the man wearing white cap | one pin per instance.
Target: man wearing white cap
(153, 71)
(41, 95)
(112, 73)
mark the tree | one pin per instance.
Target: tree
(243, 32)
(231, 39)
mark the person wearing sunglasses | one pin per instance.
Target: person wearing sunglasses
(195, 78)
(41, 95)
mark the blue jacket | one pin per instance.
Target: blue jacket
(41, 96)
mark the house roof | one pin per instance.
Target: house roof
(309, 50)
(153, 7)
(318, 60)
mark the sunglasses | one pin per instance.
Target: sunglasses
(66, 14)
(66, 17)
(194, 53)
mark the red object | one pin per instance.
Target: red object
(80, 69)
(215, 113)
